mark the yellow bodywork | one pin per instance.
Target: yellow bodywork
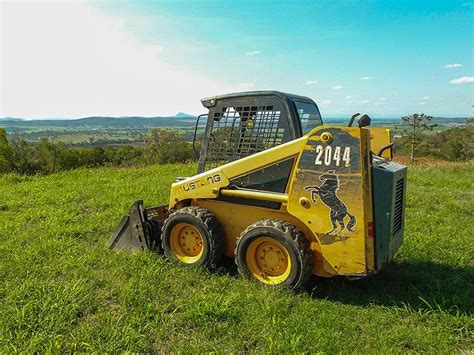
(328, 155)
(378, 138)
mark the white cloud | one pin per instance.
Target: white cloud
(463, 80)
(454, 65)
(311, 82)
(251, 53)
(366, 78)
(337, 87)
(72, 60)
(365, 101)
(348, 97)
(426, 98)
(422, 103)
(246, 86)
(383, 99)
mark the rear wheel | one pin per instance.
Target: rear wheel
(192, 236)
(274, 252)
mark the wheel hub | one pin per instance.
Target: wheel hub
(190, 241)
(187, 242)
(271, 258)
(268, 260)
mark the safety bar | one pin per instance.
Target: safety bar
(195, 132)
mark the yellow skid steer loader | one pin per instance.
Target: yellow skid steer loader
(283, 194)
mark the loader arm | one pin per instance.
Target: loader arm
(213, 182)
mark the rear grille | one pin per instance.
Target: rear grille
(398, 210)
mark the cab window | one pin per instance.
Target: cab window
(309, 115)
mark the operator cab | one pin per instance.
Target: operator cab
(242, 124)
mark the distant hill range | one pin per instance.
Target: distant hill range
(10, 119)
(180, 120)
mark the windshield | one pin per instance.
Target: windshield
(309, 115)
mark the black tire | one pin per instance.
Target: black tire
(154, 230)
(287, 235)
(210, 232)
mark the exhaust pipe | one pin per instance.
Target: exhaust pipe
(140, 229)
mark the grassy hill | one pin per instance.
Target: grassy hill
(62, 290)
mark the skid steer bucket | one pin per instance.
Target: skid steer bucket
(136, 231)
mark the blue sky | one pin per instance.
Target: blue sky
(386, 58)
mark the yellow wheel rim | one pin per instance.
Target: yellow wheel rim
(187, 243)
(268, 261)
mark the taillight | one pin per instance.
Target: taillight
(370, 229)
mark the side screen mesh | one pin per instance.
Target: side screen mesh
(240, 131)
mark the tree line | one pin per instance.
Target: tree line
(161, 146)
(454, 144)
(168, 146)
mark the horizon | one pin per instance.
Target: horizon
(149, 59)
(330, 117)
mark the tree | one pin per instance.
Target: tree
(54, 156)
(91, 156)
(6, 153)
(166, 146)
(467, 143)
(46, 154)
(22, 156)
(123, 155)
(416, 124)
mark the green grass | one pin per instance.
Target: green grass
(62, 290)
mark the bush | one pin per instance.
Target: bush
(6, 153)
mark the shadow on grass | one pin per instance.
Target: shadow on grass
(421, 286)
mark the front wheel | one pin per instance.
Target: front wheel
(274, 252)
(193, 236)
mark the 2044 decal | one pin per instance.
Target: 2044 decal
(333, 155)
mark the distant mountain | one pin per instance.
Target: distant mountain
(183, 115)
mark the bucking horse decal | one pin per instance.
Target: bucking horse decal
(327, 193)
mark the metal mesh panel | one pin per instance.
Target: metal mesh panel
(238, 132)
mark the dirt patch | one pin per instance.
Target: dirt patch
(425, 161)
